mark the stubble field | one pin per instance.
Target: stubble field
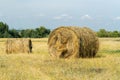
(41, 66)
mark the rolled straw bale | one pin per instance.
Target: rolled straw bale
(18, 45)
(69, 42)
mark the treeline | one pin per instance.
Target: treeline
(104, 33)
(39, 32)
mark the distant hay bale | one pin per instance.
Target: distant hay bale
(18, 45)
(69, 42)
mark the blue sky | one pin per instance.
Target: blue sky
(96, 14)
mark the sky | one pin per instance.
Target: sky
(95, 14)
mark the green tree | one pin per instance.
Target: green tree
(31, 33)
(6, 35)
(35, 33)
(115, 34)
(42, 31)
(102, 33)
(3, 30)
(14, 33)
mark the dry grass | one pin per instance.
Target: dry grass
(40, 66)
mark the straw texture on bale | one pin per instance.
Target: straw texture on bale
(18, 45)
(71, 42)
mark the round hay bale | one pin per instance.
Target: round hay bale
(18, 45)
(68, 42)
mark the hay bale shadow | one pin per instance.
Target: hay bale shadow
(97, 70)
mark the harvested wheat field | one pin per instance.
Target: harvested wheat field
(41, 66)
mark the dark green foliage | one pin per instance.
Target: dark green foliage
(42, 32)
(14, 33)
(5, 32)
(35, 33)
(104, 33)
(3, 27)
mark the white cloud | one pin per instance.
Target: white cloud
(57, 17)
(40, 15)
(63, 17)
(117, 18)
(86, 17)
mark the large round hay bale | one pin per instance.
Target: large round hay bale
(69, 42)
(18, 45)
